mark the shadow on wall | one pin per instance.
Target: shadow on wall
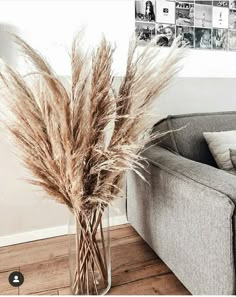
(8, 48)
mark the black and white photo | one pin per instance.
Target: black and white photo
(232, 4)
(232, 19)
(203, 38)
(184, 14)
(203, 16)
(221, 3)
(145, 11)
(165, 12)
(200, 24)
(144, 32)
(220, 17)
(220, 39)
(185, 36)
(165, 35)
(232, 39)
(204, 2)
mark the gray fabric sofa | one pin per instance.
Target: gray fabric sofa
(186, 210)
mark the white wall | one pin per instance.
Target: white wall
(195, 95)
(190, 95)
(49, 26)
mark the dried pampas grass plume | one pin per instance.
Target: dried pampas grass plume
(63, 135)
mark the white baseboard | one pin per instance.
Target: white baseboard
(48, 232)
(32, 235)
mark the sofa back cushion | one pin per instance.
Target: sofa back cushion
(188, 141)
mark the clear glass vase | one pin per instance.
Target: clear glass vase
(89, 252)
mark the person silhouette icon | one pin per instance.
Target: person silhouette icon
(16, 280)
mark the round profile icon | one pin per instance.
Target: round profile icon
(16, 279)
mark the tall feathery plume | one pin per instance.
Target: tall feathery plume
(62, 135)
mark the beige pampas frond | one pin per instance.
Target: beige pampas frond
(63, 135)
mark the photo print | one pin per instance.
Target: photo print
(232, 4)
(220, 39)
(185, 36)
(145, 11)
(220, 18)
(203, 38)
(203, 16)
(184, 14)
(165, 12)
(232, 19)
(232, 39)
(200, 24)
(204, 2)
(145, 32)
(221, 3)
(165, 34)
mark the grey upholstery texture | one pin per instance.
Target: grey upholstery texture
(233, 157)
(187, 222)
(186, 211)
(208, 176)
(189, 141)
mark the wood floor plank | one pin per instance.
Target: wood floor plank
(139, 271)
(118, 233)
(37, 251)
(122, 256)
(123, 236)
(126, 240)
(5, 287)
(51, 292)
(45, 276)
(46, 249)
(65, 291)
(136, 269)
(133, 273)
(166, 284)
(122, 226)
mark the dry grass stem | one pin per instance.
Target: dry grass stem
(63, 135)
(79, 144)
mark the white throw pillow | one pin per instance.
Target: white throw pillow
(220, 144)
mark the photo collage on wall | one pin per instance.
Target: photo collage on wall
(197, 24)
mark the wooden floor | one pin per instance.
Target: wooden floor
(136, 270)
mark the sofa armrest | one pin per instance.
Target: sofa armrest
(211, 177)
(185, 212)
